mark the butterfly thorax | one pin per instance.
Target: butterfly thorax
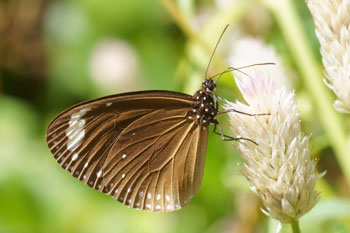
(204, 109)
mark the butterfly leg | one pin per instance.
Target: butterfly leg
(234, 110)
(244, 113)
(229, 138)
(216, 102)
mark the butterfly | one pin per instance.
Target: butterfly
(146, 149)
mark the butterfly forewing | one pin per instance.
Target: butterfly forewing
(139, 147)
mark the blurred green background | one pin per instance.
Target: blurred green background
(54, 54)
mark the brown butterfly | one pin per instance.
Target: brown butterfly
(147, 149)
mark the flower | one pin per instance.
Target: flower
(114, 64)
(279, 169)
(332, 22)
(248, 50)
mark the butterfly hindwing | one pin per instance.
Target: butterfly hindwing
(162, 161)
(144, 135)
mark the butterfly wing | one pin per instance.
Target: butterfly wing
(139, 141)
(157, 162)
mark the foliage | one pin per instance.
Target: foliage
(171, 42)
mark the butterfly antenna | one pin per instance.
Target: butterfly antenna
(256, 64)
(217, 43)
(229, 69)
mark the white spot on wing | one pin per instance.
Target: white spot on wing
(75, 157)
(169, 207)
(158, 207)
(129, 190)
(99, 174)
(76, 131)
(86, 164)
(76, 138)
(158, 197)
(148, 206)
(123, 176)
(123, 156)
(167, 197)
(108, 104)
(149, 195)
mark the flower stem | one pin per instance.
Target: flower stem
(180, 20)
(202, 41)
(295, 226)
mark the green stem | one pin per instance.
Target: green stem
(201, 42)
(291, 27)
(295, 226)
(173, 10)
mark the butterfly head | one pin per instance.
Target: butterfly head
(209, 85)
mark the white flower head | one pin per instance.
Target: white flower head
(279, 168)
(332, 22)
(248, 50)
